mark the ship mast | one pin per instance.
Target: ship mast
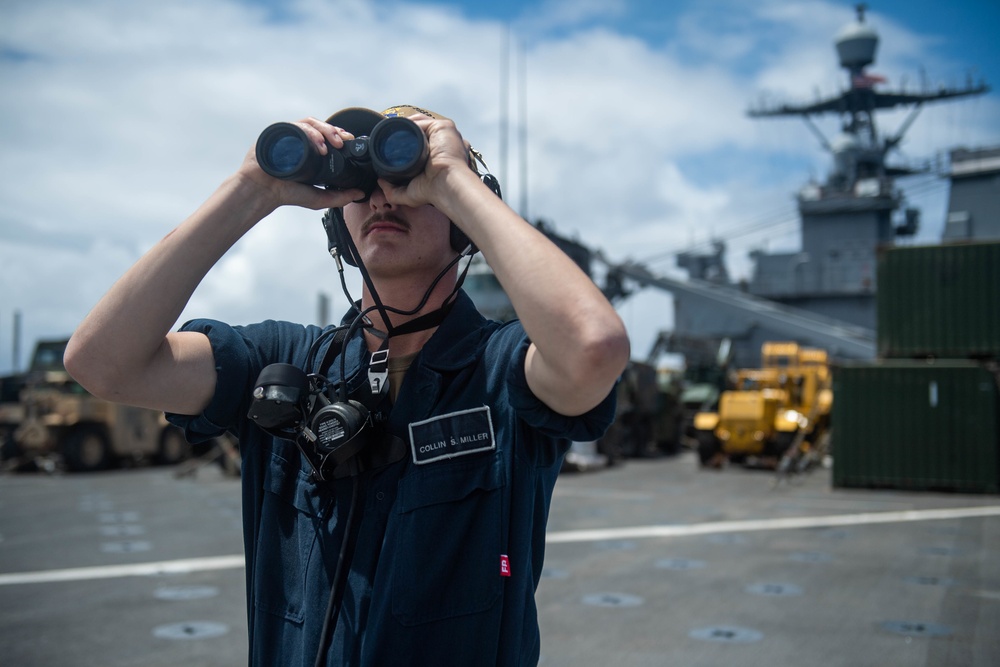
(860, 152)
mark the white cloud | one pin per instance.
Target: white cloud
(119, 118)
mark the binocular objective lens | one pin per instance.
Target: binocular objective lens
(400, 149)
(286, 154)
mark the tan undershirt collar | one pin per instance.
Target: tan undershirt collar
(397, 371)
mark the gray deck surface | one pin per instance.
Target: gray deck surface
(720, 569)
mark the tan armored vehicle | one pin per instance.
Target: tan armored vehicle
(59, 422)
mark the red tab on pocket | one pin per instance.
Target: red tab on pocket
(504, 566)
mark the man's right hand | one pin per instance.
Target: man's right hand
(124, 350)
(290, 193)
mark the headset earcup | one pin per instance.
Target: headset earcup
(337, 233)
(492, 183)
(459, 241)
(338, 427)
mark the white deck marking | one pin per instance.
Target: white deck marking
(182, 566)
(187, 565)
(789, 523)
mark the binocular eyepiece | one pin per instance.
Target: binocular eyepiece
(396, 150)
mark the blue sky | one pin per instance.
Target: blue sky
(118, 118)
(961, 35)
(970, 24)
(962, 31)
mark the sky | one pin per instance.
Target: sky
(625, 121)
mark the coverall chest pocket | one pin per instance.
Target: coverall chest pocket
(448, 540)
(287, 541)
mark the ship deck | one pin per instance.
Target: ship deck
(653, 562)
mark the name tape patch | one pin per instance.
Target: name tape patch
(454, 434)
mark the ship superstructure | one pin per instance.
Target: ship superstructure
(823, 295)
(858, 210)
(974, 197)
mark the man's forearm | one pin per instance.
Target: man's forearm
(579, 338)
(115, 348)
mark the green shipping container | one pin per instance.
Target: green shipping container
(917, 426)
(939, 301)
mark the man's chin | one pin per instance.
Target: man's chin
(392, 261)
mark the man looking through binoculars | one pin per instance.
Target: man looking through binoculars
(380, 527)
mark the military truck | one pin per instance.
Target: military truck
(11, 412)
(647, 416)
(786, 403)
(60, 423)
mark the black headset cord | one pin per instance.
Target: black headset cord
(337, 589)
(426, 321)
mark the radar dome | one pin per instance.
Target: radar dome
(856, 45)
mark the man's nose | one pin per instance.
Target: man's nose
(377, 201)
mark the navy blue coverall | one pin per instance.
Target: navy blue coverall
(450, 539)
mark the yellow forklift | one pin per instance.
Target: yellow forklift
(770, 412)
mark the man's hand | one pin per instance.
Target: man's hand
(448, 155)
(579, 345)
(289, 193)
(124, 351)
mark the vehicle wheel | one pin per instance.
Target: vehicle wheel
(671, 444)
(174, 447)
(709, 449)
(87, 449)
(611, 444)
(8, 448)
(780, 445)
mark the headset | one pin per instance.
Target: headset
(324, 421)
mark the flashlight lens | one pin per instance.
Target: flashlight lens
(286, 154)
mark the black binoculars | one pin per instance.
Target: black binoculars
(396, 150)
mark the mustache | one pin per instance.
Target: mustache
(381, 217)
